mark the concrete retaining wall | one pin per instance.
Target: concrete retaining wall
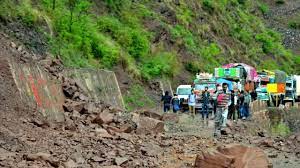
(37, 89)
(100, 85)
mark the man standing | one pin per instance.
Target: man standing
(192, 103)
(223, 102)
(175, 103)
(206, 99)
(166, 99)
(247, 100)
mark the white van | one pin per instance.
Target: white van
(183, 92)
(297, 94)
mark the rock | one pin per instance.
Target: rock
(38, 156)
(70, 164)
(148, 125)
(229, 124)
(150, 149)
(91, 108)
(114, 109)
(152, 114)
(77, 157)
(97, 159)
(20, 48)
(40, 123)
(69, 125)
(170, 117)
(75, 115)
(69, 91)
(274, 155)
(13, 45)
(102, 133)
(298, 138)
(111, 167)
(120, 160)
(233, 156)
(83, 97)
(104, 118)
(266, 143)
(226, 131)
(213, 160)
(70, 105)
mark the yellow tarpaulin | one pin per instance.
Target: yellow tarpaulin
(272, 88)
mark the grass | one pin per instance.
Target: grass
(136, 98)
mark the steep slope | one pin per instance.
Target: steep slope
(145, 40)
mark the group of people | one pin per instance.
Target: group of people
(226, 105)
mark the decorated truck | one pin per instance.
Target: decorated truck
(261, 90)
(199, 86)
(242, 74)
(277, 89)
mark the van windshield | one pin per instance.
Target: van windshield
(184, 91)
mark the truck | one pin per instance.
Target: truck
(183, 92)
(290, 90)
(199, 86)
(261, 90)
(277, 88)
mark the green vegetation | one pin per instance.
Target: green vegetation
(264, 8)
(152, 39)
(136, 98)
(281, 129)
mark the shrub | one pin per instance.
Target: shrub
(210, 51)
(294, 25)
(134, 40)
(281, 129)
(264, 8)
(163, 63)
(280, 2)
(192, 67)
(209, 5)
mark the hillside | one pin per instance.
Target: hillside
(145, 40)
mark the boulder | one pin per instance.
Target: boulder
(151, 114)
(148, 125)
(70, 164)
(104, 118)
(120, 160)
(170, 117)
(70, 105)
(233, 156)
(210, 159)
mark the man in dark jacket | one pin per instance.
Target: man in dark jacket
(206, 99)
(166, 99)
